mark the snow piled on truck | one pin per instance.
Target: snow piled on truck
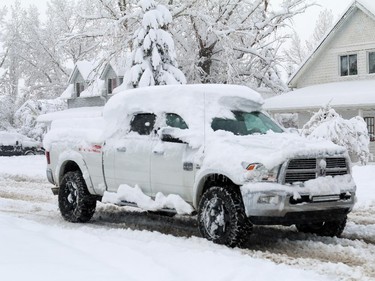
(75, 132)
(135, 195)
(225, 151)
(196, 104)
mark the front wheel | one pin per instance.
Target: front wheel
(221, 216)
(29, 152)
(329, 228)
(76, 204)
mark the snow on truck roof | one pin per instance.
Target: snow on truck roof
(187, 100)
(196, 104)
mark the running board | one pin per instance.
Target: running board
(130, 204)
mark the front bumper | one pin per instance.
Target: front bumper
(271, 203)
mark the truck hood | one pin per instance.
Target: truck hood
(225, 152)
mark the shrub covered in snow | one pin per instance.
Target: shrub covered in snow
(154, 57)
(287, 120)
(352, 134)
(26, 115)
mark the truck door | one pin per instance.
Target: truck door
(172, 168)
(132, 154)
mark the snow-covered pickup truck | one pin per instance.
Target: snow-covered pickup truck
(199, 149)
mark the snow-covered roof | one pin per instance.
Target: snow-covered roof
(72, 113)
(86, 68)
(118, 65)
(348, 94)
(367, 6)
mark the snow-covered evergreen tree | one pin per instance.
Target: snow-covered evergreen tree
(153, 57)
(329, 125)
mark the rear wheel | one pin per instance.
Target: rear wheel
(329, 228)
(221, 216)
(76, 204)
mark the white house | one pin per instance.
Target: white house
(85, 88)
(91, 83)
(340, 71)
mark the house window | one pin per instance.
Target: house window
(80, 87)
(348, 65)
(112, 83)
(370, 127)
(371, 62)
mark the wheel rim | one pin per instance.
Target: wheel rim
(215, 218)
(72, 195)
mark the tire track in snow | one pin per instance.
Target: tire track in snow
(338, 257)
(349, 258)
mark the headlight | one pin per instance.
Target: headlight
(258, 172)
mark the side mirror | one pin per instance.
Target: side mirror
(168, 134)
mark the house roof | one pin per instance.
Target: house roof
(367, 6)
(344, 95)
(117, 64)
(86, 68)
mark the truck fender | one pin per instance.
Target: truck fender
(202, 177)
(73, 156)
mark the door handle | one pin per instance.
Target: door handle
(158, 152)
(121, 149)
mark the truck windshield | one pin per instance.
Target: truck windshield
(246, 123)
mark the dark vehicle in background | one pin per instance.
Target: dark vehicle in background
(14, 144)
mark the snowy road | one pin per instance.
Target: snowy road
(124, 244)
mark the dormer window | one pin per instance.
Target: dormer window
(348, 65)
(80, 87)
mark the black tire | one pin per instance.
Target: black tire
(222, 218)
(76, 204)
(29, 152)
(329, 228)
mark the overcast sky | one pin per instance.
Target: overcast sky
(304, 24)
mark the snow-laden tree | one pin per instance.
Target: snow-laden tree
(153, 56)
(297, 53)
(329, 125)
(27, 114)
(12, 36)
(233, 41)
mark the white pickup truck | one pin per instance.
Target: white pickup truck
(209, 146)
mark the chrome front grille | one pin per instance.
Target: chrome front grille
(304, 169)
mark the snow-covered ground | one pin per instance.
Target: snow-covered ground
(123, 244)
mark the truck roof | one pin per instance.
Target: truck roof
(189, 101)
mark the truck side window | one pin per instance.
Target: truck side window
(175, 121)
(143, 123)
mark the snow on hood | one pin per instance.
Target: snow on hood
(226, 152)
